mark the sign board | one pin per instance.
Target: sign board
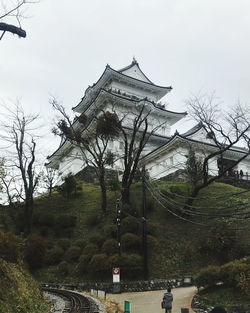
(116, 275)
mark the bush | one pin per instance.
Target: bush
(90, 249)
(243, 282)
(72, 254)
(81, 243)
(9, 247)
(64, 268)
(131, 265)
(208, 277)
(46, 220)
(55, 255)
(151, 228)
(35, 251)
(64, 243)
(82, 266)
(230, 271)
(93, 219)
(96, 238)
(130, 242)
(66, 221)
(129, 225)
(151, 241)
(110, 246)
(110, 231)
(114, 185)
(99, 265)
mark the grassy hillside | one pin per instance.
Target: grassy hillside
(76, 242)
(19, 292)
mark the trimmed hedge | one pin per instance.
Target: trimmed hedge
(110, 247)
(208, 277)
(130, 243)
(72, 254)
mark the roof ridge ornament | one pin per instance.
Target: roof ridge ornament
(134, 61)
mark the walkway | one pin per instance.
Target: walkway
(150, 301)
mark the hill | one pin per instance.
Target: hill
(19, 292)
(77, 243)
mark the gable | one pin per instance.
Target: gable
(201, 135)
(136, 73)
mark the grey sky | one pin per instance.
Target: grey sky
(189, 44)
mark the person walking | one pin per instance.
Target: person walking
(167, 300)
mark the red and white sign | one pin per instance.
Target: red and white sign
(116, 275)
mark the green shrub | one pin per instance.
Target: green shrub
(151, 228)
(72, 254)
(96, 238)
(110, 231)
(152, 242)
(110, 246)
(35, 251)
(99, 265)
(90, 249)
(66, 221)
(55, 255)
(9, 247)
(81, 243)
(82, 266)
(64, 268)
(47, 219)
(129, 225)
(93, 219)
(64, 243)
(114, 185)
(243, 282)
(231, 270)
(130, 243)
(131, 265)
(207, 277)
(114, 261)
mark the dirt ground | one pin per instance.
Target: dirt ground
(150, 301)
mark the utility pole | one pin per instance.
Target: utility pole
(118, 222)
(144, 226)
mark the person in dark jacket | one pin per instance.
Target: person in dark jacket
(168, 299)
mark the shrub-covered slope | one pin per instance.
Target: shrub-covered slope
(75, 242)
(19, 292)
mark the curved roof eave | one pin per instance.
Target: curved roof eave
(108, 68)
(138, 101)
(178, 136)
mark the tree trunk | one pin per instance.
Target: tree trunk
(104, 192)
(126, 195)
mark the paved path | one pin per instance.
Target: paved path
(150, 301)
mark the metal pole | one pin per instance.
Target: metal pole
(144, 226)
(118, 221)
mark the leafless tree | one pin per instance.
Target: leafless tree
(91, 138)
(135, 136)
(17, 131)
(225, 130)
(14, 10)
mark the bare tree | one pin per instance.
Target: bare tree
(91, 138)
(225, 130)
(14, 9)
(135, 137)
(20, 149)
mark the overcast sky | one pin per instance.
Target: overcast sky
(191, 45)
